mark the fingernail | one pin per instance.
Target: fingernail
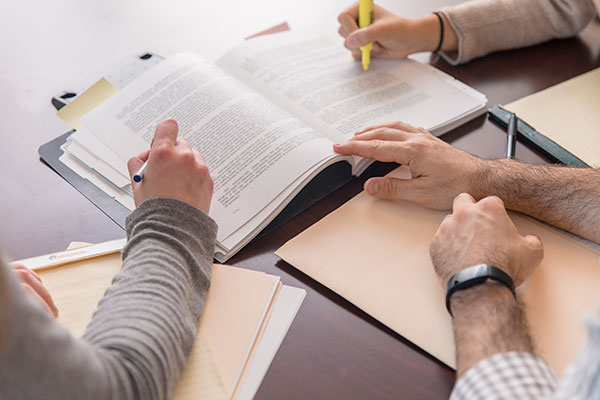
(372, 187)
(353, 41)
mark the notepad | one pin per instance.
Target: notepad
(375, 253)
(568, 114)
(238, 313)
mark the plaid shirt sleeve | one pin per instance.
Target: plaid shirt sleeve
(524, 376)
(510, 375)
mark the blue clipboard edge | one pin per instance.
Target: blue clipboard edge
(526, 132)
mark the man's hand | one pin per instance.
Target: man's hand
(175, 170)
(33, 284)
(393, 36)
(482, 233)
(439, 171)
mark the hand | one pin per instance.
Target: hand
(393, 36)
(34, 285)
(175, 170)
(482, 233)
(439, 171)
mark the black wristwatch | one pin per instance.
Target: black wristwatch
(476, 275)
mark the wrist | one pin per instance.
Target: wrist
(427, 29)
(497, 178)
(487, 320)
(488, 295)
(480, 178)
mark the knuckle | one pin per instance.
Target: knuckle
(461, 212)
(188, 157)
(162, 151)
(418, 146)
(492, 203)
(375, 144)
(203, 170)
(388, 187)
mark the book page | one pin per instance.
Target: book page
(253, 148)
(315, 78)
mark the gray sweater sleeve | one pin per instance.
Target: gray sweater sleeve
(143, 330)
(485, 26)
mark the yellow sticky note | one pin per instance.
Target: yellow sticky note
(85, 102)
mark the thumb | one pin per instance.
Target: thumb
(390, 188)
(364, 36)
(166, 132)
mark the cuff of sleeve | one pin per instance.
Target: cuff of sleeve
(172, 212)
(507, 375)
(453, 57)
(480, 28)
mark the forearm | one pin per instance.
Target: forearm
(151, 311)
(485, 26)
(487, 320)
(139, 338)
(562, 196)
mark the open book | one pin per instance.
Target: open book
(265, 117)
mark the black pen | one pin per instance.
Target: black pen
(511, 139)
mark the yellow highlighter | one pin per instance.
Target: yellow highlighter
(365, 17)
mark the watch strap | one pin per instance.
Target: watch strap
(476, 275)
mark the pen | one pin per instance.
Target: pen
(365, 17)
(139, 175)
(511, 138)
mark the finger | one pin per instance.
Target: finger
(377, 149)
(366, 35)
(40, 290)
(393, 188)
(166, 133)
(32, 292)
(393, 125)
(348, 21)
(493, 203)
(21, 267)
(136, 162)
(462, 200)
(351, 12)
(182, 142)
(342, 32)
(388, 134)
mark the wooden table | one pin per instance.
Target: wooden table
(333, 350)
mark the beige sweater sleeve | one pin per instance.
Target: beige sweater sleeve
(485, 26)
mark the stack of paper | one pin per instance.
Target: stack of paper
(246, 317)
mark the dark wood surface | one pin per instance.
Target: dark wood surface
(333, 350)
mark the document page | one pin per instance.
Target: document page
(253, 148)
(315, 78)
